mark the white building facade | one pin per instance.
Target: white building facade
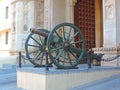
(17, 17)
(5, 26)
(25, 14)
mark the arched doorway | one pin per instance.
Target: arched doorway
(88, 17)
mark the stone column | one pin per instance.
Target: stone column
(111, 32)
(58, 11)
(19, 20)
(70, 10)
(109, 19)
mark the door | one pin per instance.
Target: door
(84, 18)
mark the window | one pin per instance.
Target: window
(6, 12)
(6, 38)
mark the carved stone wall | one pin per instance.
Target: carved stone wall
(25, 14)
(39, 13)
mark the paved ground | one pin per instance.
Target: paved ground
(112, 83)
(8, 79)
(8, 82)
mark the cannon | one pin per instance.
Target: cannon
(61, 44)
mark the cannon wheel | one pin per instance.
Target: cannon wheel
(35, 46)
(64, 46)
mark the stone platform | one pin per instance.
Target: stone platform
(57, 79)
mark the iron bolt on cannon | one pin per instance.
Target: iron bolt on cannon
(61, 43)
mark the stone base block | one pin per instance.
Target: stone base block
(39, 79)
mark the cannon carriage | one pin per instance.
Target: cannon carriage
(64, 44)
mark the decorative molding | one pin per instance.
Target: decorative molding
(39, 16)
(107, 49)
(109, 7)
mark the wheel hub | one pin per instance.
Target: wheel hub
(66, 45)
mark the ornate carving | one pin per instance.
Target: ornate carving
(109, 9)
(25, 14)
(39, 13)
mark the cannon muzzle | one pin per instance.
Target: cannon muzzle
(40, 32)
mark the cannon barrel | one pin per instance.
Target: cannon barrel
(39, 32)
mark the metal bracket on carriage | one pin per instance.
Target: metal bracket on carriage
(39, 32)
